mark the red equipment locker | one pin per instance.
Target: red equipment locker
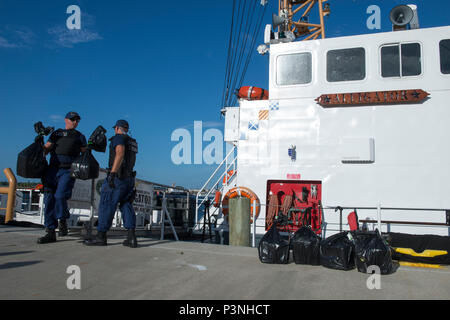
(294, 204)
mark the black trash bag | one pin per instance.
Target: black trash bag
(371, 250)
(31, 162)
(272, 248)
(98, 140)
(41, 130)
(85, 167)
(306, 247)
(338, 252)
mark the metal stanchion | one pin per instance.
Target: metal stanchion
(254, 224)
(163, 215)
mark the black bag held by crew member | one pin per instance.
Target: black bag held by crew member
(31, 162)
(272, 248)
(371, 250)
(338, 252)
(98, 140)
(85, 167)
(306, 247)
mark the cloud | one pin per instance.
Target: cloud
(5, 43)
(16, 37)
(205, 125)
(64, 37)
(212, 124)
(56, 118)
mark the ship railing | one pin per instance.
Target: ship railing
(377, 222)
(228, 165)
(27, 204)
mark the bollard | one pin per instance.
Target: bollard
(239, 222)
(11, 192)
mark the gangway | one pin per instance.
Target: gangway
(220, 181)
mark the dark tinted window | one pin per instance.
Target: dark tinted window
(411, 62)
(401, 60)
(294, 69)
(346, 65)
(390, 61)
(444, 49)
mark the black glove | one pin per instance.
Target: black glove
(111, 177)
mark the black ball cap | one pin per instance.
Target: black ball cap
(73, 115)
(122, 124)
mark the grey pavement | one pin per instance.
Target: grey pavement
(169, 270)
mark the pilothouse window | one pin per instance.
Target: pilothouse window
(346, 65)
(444, 48)
(401, 60)
(293, 69)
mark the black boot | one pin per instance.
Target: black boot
(99, 240)
(62, 226)
(131, 240)
(48, 238)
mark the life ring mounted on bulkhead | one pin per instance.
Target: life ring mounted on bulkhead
(242, 192)
(252, 93)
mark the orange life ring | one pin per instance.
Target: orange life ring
(228, 177)
(253, 93)
(242, 192)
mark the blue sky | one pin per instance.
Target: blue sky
(157, 64)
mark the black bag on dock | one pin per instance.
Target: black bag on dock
(306, 247)
(31, 162)
(85, 167)
(337, 252)
(371, 250)
(272, 248)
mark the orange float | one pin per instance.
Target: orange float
(227, 177)
(253, 93)
(242, 192)
(217, 199)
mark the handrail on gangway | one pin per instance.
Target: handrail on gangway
(11, 192)
(222, 176)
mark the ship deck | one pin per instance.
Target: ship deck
(169, 270)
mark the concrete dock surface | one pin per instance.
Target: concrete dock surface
(170, 270)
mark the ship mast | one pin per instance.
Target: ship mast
(295, 14)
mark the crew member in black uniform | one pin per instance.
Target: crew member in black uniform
(119, 187)
(64, 146)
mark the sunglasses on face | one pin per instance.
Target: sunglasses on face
(75, 120)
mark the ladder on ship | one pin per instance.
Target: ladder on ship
(219, 180)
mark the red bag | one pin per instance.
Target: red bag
(353, 221)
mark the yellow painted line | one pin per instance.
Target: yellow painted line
(420, 265)
(426, 253)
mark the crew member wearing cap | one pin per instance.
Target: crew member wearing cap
(118, 189)
(64, 146)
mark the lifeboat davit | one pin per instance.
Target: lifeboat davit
(253, 93)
